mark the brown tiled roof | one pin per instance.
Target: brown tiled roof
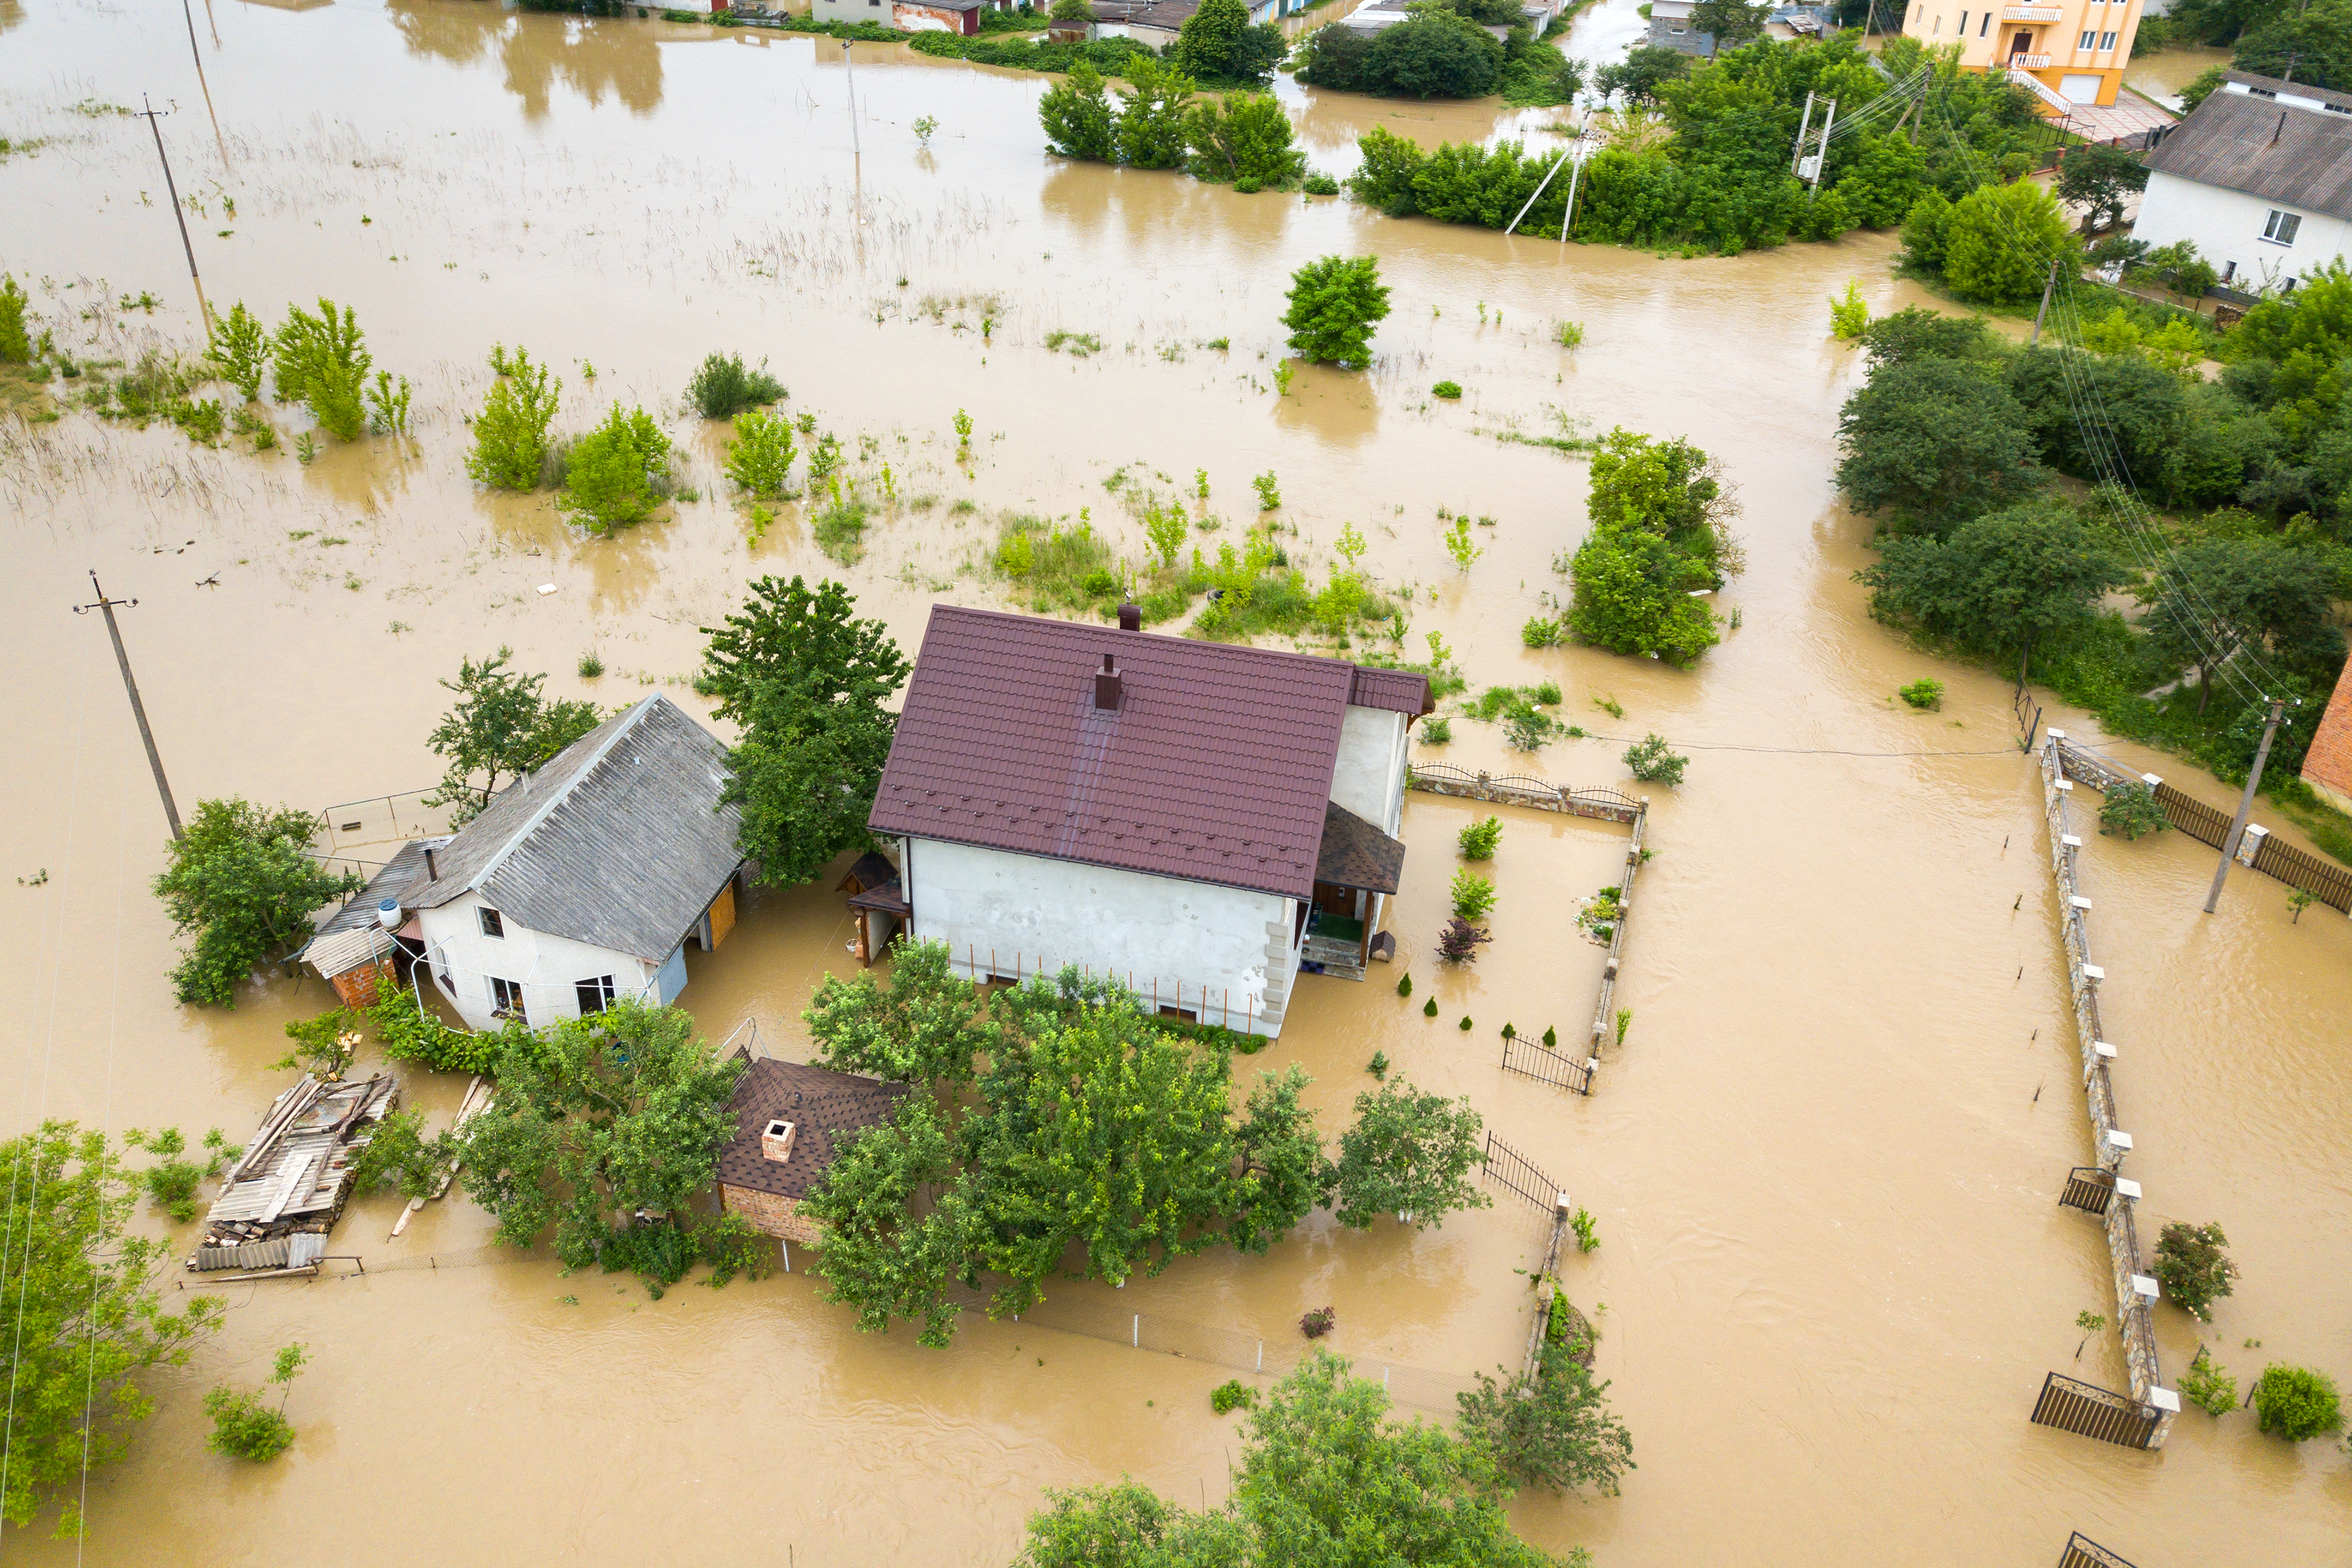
(1355, 854)
(2296, 157)
(821, 1104)
(1397, 690)
(1216, 766)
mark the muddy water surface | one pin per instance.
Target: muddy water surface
(1832, 1274)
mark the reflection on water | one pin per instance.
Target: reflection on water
(538, 51)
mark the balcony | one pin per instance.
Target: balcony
(2029, 62)
(2031, 13)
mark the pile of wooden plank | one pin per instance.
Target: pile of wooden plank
(292, 1179)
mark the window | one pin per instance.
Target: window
(1963, 28)
(595, 995)
(506, 997)
(2281, 229)
(2088, 38)
(491, 924)
(2228, 271)
(1986, 26)
(2106, 42)
(2261, 92)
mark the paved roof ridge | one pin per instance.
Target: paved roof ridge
(623, 724)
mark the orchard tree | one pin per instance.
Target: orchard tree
(1553, 1430)
(242, 880)
(1335, 303)
(898, 1227)
(925, 1025)
(1285, 1173)
(807, 681)
(501, 728)
(1410, 1154)
(79, 1295)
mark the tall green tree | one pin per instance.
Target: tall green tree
(807, 681)
(1553, 1430)
(1218, 44)
(2311, 43)
(595, 1119)
(1937, 442)
(924, 1023)
(1436, 53)
(2217, 598)
(615, 474)
(2008, 580)
(242, 880)
(2098, 179)
(501, 727)
(2000, 241)
(511, 432)
(1335, 303)
(1730, 23)
(1242, 136)
(899, 1232)
(1076, 114)
(85, 1317)
(1632, 596)
(1150, 129)
(1410, 1154)
(1286, 1175)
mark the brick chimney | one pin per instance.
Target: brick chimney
(776, 1141)
(1130, 617)
(1106, 686)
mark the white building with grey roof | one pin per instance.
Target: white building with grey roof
(580, 884)
(2260, 178)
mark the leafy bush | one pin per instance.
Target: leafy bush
(592, 665)
(1653, 762)
(2296, 1402)
(2191, 1266)
(1998, 242)
(1319, 185)
(840, 530)
(1540, 632)
(1436, 732)
(1457, 943)
(1446, 389)
(1925, 693)
(324, 1045)
(1319, 1322)
(405, 1031)
(1335, 303)
(172, 1181)
(760, 457)
(617, 472)
(2131, 809)
(241, 879)
(322, 360)
(1581, 1222)
(1243, 137)
(240, 346)
(2207, 1386)
(1404, 984)
(1472, 894)
(1429, 1008)
(244, 1427)
(723, 387)
(1850, 312)
(1234, 1394)
(1477, 840)
(511, 432)
(1554, 1430)
(1077, 117)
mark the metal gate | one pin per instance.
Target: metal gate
(1546, 1065)
(2090, 1411)
(2089, 1188)
(1514, 1171)
(2081, 1552)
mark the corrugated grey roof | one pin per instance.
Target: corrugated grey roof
(2297, 157)
(2297, 89)
(408, 867)
(619, 841)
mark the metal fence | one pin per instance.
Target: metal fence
(1546, 1065)
(1518, 789)
(2081, 1552)
(1514, 1171)
(2090, 1188)
(2090, 1411)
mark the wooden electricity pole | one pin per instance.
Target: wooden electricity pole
(138, 708)
(152, 114)
(2245, 807)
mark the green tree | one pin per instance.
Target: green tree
(500, 727)
(15, 340)
(1333, 56)
(1285, 1175)
(2194, 1268)
(926, 1025)
(511, 432)
(1076, 114)
(240, 345)
(1937, 441)
(1151, 130)
(2000, 241)
(2212, 599)
(1633, 596)
(1642, 74)
(86, 1318)
(1070, 10)
(1669, 488)
(760, 457)
(1242, 136)
(723, 386)
(2296, 1402)
(1335, 303)
(805, 682)
(615, 474)
(322, 360)
(1553, 1430)
(1437, 53)
(1217, 43)
(2314, 43)
(2205, 83)
(245, 1425)
(1410, 1154)
(2017, 578)
(2097, 178)
(597, 1119)
(1730, 23)
(898, 1228)
(242, 880)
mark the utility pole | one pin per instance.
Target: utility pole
(2047, 285)
(855, 151)
(138, 709)
(1567, 213)
(1797, 154)
(152, 114)
(2245, 806)
(190, 15)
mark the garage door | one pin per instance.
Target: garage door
(2079, 88)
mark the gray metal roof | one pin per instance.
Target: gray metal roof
(2297, 157)
(619, 841)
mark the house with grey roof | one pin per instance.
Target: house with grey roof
(1197, 821)
(580, 884)
(2259, 178)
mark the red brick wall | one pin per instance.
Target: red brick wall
(769, 1214)
(2327, 766)
(358, 987)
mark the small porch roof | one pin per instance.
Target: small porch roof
(1355, 854)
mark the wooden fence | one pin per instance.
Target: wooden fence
(2332, 885)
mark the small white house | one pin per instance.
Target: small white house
(1195, 820)
(2260, 178)
(578, 884)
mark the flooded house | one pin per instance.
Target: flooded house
(791, 1122)
(580, 884)
(1198, 820)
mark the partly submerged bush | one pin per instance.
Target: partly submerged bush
(617, 473)
(723, 387)
(511, 432)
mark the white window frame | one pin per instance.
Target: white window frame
(491, 923)
(2279, 219)
(2082, 44)
(506, 997)
(2107, 43)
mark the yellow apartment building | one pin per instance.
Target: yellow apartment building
(2075, 50)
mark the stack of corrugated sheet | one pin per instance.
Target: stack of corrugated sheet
(292, 1178)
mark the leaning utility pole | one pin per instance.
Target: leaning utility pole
(2245, 807)
(138, 709)
(2047, 284)
(152, 114)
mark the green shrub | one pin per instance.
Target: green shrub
(1429, 1008)
(202, 421)
(1404, 984)
(760, 457)
(2192, 1267)
(16, 340)
(1466, 1022)
(1231, 1396)
(1581, 1222)
(240, 346)
(1473, 895)
(322, 360)
(1548, 693)
(1436, 732)
(511, 432)
(1477, 841)
(840, 530)
(723, 388)
(1569, 335)
(2131, 809)
(617, 473)
(1334, 304)
(1446, 389)
(405, 1032)
(2296, 1402)
(1542, 632)
(2207, 1386)
(1319, 185)
(592, 665)
(244, 1427)
(170, 1180)
(1849, 315)
(399, 1155)
(1928, 693)
(1653, 762)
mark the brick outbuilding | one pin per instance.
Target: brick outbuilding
(791, 1121)
(2327, 766)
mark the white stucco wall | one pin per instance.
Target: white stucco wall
(1022, 913)
(548, 967)
(2227, 226)
(1369, 776)
(875, 11)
